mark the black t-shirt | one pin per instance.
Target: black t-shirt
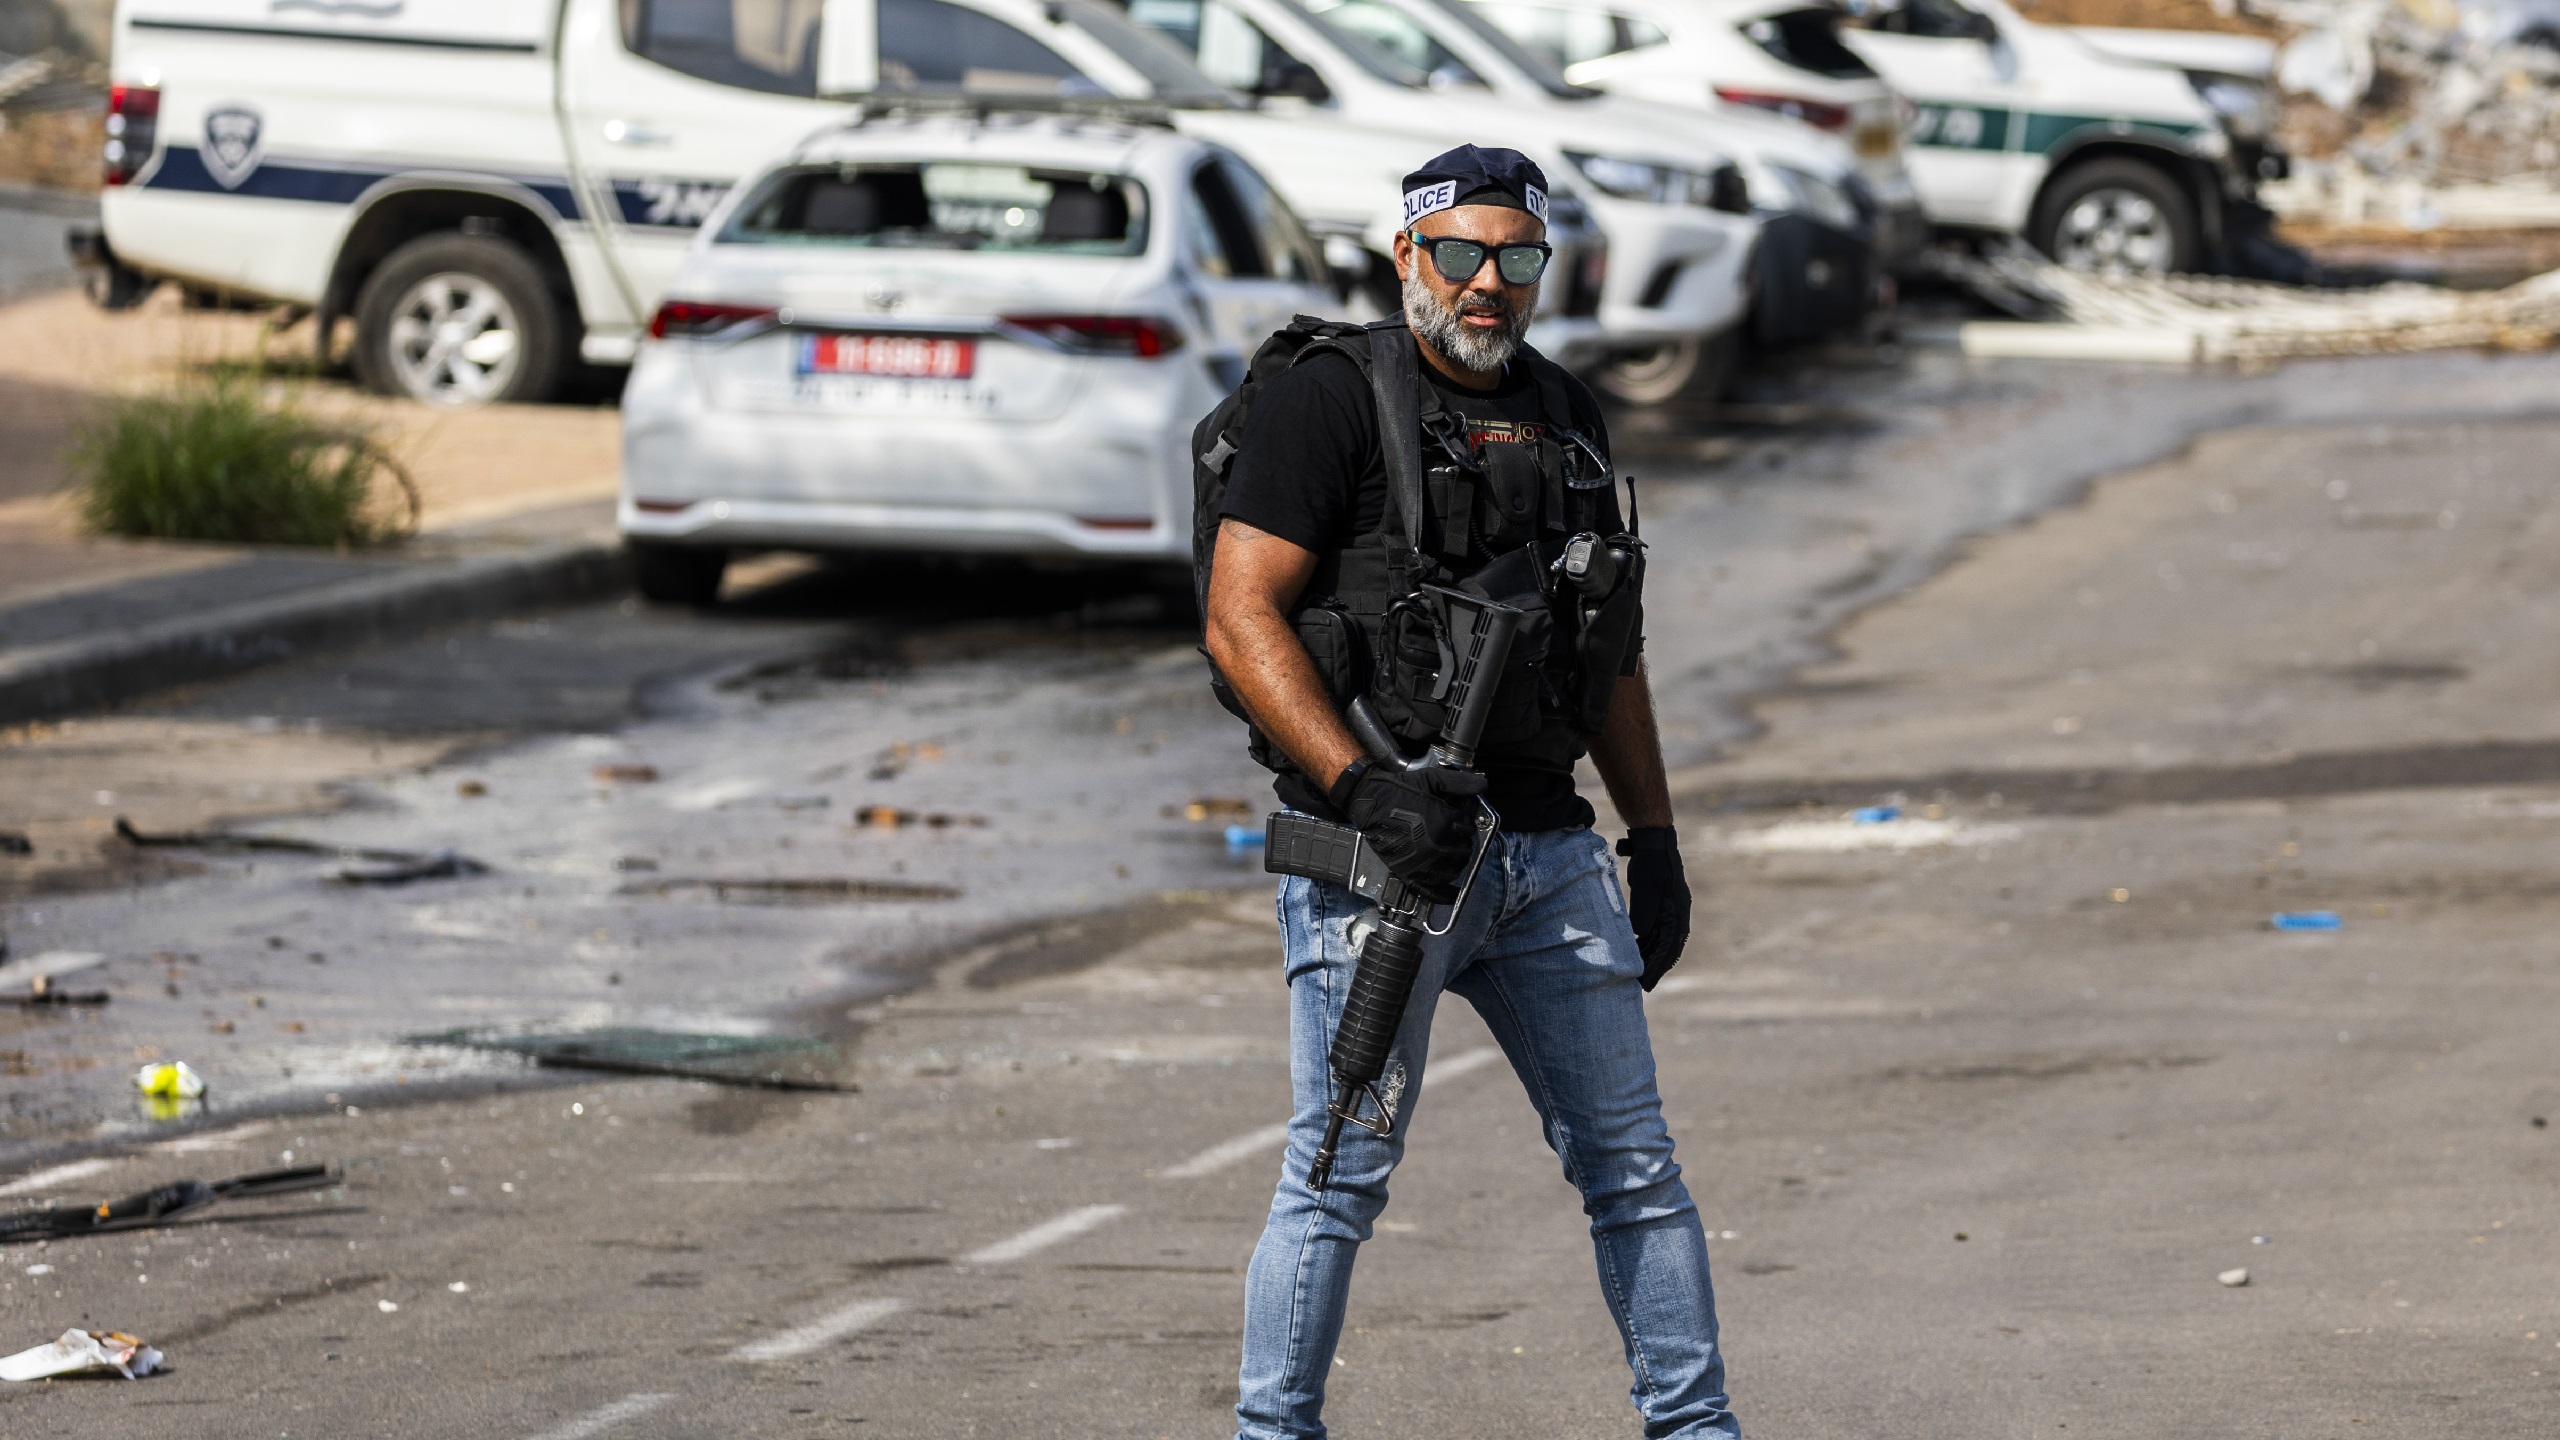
(1312, 472)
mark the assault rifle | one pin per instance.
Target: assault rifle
(1476, 644)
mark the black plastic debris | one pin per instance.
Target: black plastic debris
(163, 1205)
(389, 867)
(764, 1062)
(15, 842)
(41, 993)
(803, 890)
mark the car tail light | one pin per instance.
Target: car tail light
(133, 129)
(1141, 335)
(682, 318)
(1794, 107)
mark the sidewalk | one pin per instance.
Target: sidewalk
(517, 512)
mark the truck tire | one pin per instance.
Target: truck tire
(1696, 369)
(2117, 216)
(458, 320)
(678, 574)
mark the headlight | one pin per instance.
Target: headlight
(2242, 104)
(1818, 198)
(1644, 180)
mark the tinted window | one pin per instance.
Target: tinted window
(1396, 33)
(1288, 251)
(1222, 240)
(1003, 208)
(928, 45)
(1934, 19)
(1165, 64)
(1808, 40)
(769, 45)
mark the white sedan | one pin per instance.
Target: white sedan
(958, 333)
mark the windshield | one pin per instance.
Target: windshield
(1400, 35)
(1169, 73)
(1520, 57)
(946, 206)
(1361, 51)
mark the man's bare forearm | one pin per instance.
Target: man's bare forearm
(1629, 755)
(1253, 644)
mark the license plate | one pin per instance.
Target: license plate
(895, 357)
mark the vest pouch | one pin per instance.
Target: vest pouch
(1609, 631)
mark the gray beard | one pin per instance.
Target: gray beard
(1437, 323)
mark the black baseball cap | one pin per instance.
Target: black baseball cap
(1475, 175)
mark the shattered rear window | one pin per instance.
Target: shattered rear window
(947, 206)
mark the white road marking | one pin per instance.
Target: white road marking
(16, 974)
(1270, 1139)
(836, 1324)
(213, 1140)
(714, 795)
(57, 1176)
(605, 1417)
(1045, 1234)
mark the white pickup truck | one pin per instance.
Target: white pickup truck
(494, 190)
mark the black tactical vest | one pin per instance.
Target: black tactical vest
(1490, 517)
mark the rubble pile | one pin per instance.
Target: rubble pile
(2195, 318)
(2420, 113)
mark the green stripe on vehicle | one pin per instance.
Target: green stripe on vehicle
(2045, 131)
(1959, 127)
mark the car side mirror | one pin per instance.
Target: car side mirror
(1284, 75)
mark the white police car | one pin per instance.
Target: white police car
(954, 330)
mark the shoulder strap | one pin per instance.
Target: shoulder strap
(1394, 381)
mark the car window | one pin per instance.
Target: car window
(1397, 33)
(948, 206)
(1223, 240)
(1807, 40)
(1169, 71)
(769, 45)
(930, 45)
(1230, 49)
(1360, 50)
(1288, 251)
(1930, 19)
(1568, 35)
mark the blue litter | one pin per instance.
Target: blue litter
(1243, 837)
(1875, 814)
(2306, 920)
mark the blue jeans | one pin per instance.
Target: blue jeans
(1544, 953)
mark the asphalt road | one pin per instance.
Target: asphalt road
(1974, 1136)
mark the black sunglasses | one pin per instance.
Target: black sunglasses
(1459, 260)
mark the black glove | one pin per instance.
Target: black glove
(1421, 822)
(1657, 898)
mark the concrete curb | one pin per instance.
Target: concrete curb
(105, 670)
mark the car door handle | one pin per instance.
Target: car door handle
(623, 132)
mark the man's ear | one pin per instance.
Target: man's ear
(1404, 254)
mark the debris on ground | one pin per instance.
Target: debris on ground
(2188, 319)
(809, 890)
(803, 800)
(1217, 807)
(2305, 920)
(160, 1205)
(171, 1079)
(625, 774)
(472, 790)
(15, 842)
(1875, 814)
(84, 1352)
(2234, 1278)
(391, 867)
(890, 817)
(2423, 113)
(764, 1062)
(889, 764)
(40, 991)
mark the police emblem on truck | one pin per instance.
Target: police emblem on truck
(231, 144)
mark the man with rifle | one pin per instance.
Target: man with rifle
(1419, 590)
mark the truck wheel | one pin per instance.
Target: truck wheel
(2117, 216)
(678, 574)
(456, 320)
(1697, 368)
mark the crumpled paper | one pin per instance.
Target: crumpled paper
(84, 1352)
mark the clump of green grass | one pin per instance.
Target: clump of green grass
(214, 459)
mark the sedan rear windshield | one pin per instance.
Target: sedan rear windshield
(947, 206)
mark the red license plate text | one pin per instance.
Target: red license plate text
(909, 357)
